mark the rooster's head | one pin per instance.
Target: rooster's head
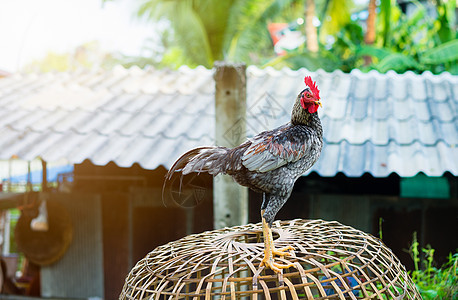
(310, 96)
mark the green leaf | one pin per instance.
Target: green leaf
(397, 62)
(367, 50)
(214, 17)
(446, 19)
(385, 12)
(446, 52)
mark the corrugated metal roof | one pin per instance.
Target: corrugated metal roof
(375, 123)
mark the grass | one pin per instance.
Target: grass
(434, 283)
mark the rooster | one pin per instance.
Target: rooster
(269, 163)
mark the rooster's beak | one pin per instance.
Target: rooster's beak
(319, 103)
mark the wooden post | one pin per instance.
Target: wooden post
(369, 37)
(310, 29)
(230, 200)
(44, 183)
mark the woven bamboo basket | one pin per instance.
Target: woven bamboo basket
(332, 261)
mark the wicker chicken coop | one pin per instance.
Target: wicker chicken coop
(332, 261)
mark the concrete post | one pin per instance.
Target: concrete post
(230, 200)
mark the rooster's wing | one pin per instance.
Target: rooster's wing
(270, 150)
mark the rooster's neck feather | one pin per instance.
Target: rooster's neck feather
(301, 116)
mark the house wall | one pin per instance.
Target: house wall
(434, 220)
(79, 273)
(115, 224)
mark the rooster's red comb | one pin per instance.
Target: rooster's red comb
(312, 85)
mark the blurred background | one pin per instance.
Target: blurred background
(382, 35)
(98, 98)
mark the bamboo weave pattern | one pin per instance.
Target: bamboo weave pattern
(332, 261)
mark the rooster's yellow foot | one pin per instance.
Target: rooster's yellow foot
(268, 260)
(282, 251)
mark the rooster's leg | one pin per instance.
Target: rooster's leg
(270, 251)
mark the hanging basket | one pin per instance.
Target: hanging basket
(45, 247)
(332, 261)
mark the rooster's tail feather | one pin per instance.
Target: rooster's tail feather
(202, 159)
(212, 160)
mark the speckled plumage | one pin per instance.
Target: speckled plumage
(269, 163)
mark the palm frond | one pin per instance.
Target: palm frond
(244, 15)
(189, 30)
(214, 16)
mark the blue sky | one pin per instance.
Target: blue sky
(29, 28)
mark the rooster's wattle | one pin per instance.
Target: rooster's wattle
(269, 163)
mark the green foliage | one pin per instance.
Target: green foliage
(416, 42)
(203, 31)
(348, 47)
(446, 19)
(206, 30)
(198, 33)
(312, 61)
(244, 19)
(247, 37)
(434, 283)
(336, 16)
(385, 14)
(375, 52)
(447, 52)
(411, 42)
(398, 62)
